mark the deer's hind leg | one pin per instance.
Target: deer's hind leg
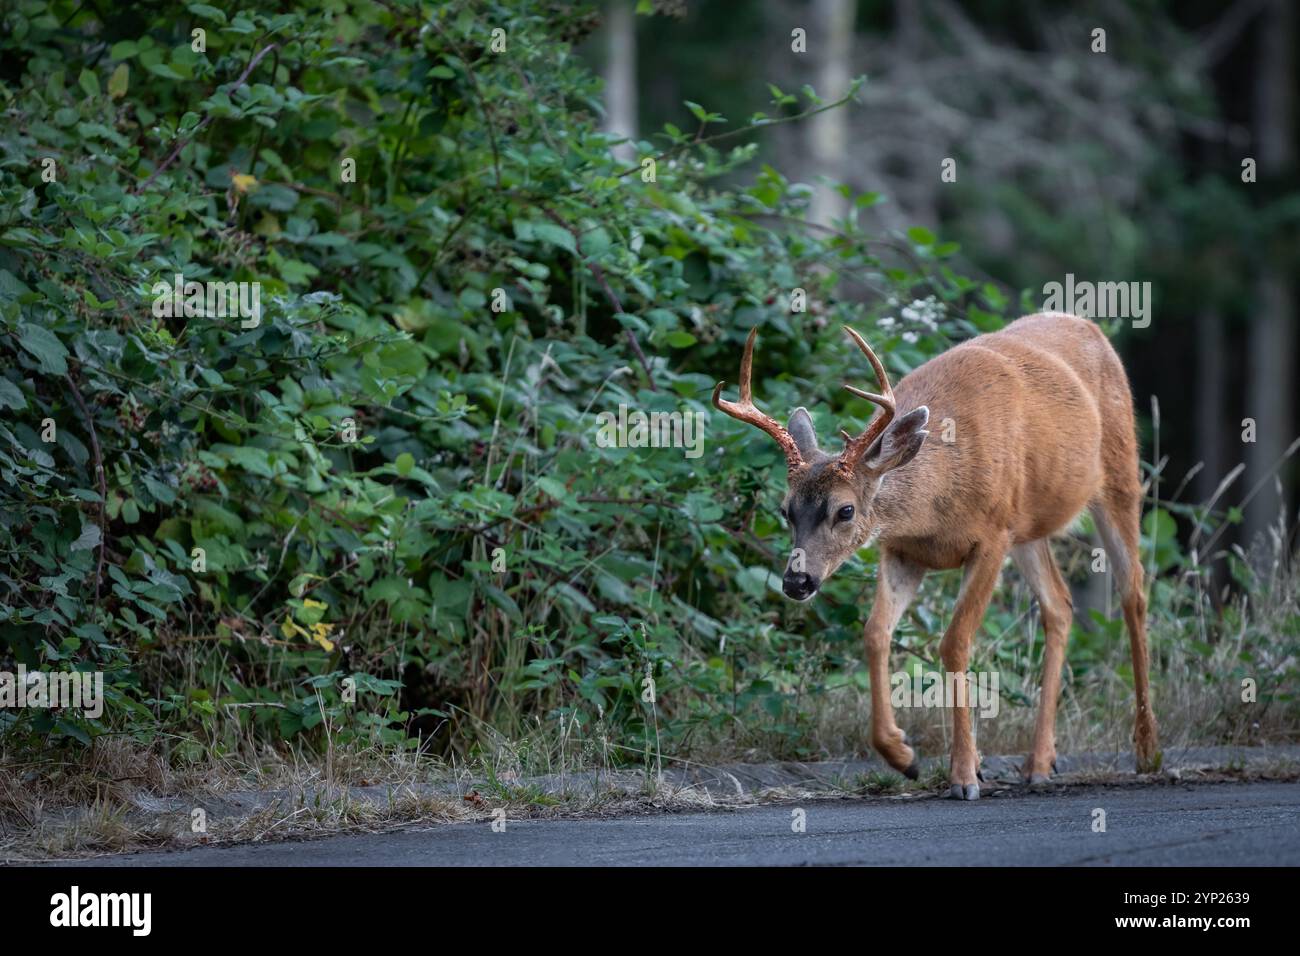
(1117, 513)
(1056, 608)
(1117, 510)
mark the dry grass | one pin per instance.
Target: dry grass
(1095, 714)
(43, 822)
(125, 798)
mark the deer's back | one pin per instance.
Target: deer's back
(1020, 421)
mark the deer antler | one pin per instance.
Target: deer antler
(745, 411)
(855, 448)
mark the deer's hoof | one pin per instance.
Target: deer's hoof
(967, 791)
(1039, 781)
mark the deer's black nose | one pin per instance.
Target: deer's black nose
(799, 585)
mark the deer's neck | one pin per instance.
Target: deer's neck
(895, 508)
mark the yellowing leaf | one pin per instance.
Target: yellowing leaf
(318, 634)
(267, 225)
(119, 81)
(243, 181)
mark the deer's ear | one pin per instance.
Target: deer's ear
(901, 441)
(801, 430)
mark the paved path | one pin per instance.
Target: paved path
(1237, 824)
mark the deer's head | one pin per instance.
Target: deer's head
(828, 500)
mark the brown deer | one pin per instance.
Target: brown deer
(1040, 421)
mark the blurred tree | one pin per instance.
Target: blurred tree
(620, 75)
(1272, 330)
(829, 132)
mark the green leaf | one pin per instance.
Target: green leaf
(404, 463)
(633, 322)
(165, 71)
(11, 396)
(88, 540)
(45, 345)
(551, 234)
(553, 488)
(921, 236)
(89, 82)
(70, 728)
(207, 12)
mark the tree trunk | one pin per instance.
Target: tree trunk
(1272, 330)
(1212, 412)
(831, 41)
(620, 75)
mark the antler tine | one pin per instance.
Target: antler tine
(745, 410)
(747, 369)
(885, 400)
(855, 448)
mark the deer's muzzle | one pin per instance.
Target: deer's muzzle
(799, 585)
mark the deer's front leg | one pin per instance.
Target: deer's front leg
(898, 581)
(981, 576)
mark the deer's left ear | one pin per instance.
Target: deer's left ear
(805, 436)
(900, 442)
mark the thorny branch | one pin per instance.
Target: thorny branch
(203, 124)
(99, 473)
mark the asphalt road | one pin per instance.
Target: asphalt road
(1231, 824)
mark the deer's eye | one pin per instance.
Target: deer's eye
(845, 513)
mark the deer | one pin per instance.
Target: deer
(1039, 425)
